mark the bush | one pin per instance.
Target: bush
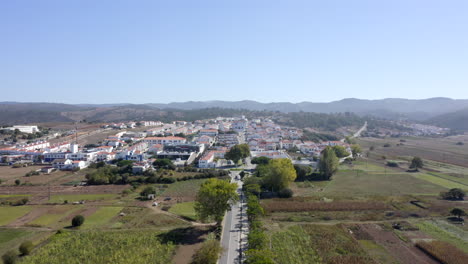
(10, 257)
(386, 145)
(26, 247)
(257, 239)
(392, 163)
(285, 193)
(17, 182)
(208, 253)
(147, 191)
(454, 194)
(78, 220)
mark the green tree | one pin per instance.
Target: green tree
(26, 247)
(302, 171)
(416, 163)
(355, 150)
(214, 198)
(280, 172)
(238, 152)
(260, 160)
(254, 256)
(340, 151)
(164, 163)
(10, 257)
(457, 212)
(328, 164)
(147, 191)
(78, 220)
(208, 253)
(257, 239)
(453, 194)
(254, 210)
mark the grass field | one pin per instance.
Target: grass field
(438, 180)
(102, 216)
(10, 213)
(54, 215)
(377, 252)
(294, 246)
(138, 217)
(184, 188)
(186, 210)
(6, 235)
(103, 247)
(79, 197)
(362, 183)
(310, 243)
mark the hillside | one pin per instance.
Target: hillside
(456, 120)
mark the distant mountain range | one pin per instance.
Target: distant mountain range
(446, 112)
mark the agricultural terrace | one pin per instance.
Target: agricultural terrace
(370, 212)
(41, 207)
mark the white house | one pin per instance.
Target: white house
(165, 140)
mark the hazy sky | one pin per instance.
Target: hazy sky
(78, 51)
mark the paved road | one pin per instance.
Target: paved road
(358, 133)
(235, 228)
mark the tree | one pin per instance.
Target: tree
(254, 256)
(147, 191)
(280, 172)
(328, 164)
(302, 171)
(260, 160)
(257, 239)
(10, 257)
(356, 150)
(214, 198)
(78, 220)
(416, 163)
(457, 212)
(17, 181)
(453, 194)
(208, 253)
(164, 163)
(340, 151)
(238, 152)
(26, 247)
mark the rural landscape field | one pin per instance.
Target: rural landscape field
(234, 132)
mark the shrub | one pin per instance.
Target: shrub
(26, 247)
(17, 182)
(453, 194)
(391, 163)
(78, 220)
(147, 191)
(257, 239)
(285, 193)
(10, 257)
(386, 145)
(208, 253)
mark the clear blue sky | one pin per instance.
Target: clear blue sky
(164, 51)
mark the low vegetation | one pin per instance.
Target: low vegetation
(443, 252)
(103, 247)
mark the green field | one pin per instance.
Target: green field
(308, 243)
(6, 235)
(79, 197)
(9, 213)
(184, 188)
(51, 219)
(102, 216)
(440, 181)
(293, 246)
(103, 247)
(186, 210)
(361, 183)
